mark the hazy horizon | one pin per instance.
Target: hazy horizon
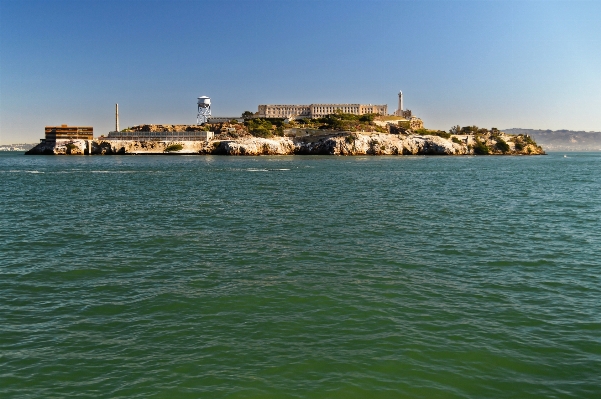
(505, 64)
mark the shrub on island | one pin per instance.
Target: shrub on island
(480, 148)
(259, 128)
(502, 145)
(174, 147)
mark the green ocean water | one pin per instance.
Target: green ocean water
(300, 277)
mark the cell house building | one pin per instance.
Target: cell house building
(317, 110)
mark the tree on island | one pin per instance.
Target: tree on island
(247, 115)
(259, 128)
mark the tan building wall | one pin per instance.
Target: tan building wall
(284, 111)
(318, 110)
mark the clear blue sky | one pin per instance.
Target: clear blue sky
(530, 64)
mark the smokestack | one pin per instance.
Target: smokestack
(116, 117)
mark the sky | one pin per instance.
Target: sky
(504, 64)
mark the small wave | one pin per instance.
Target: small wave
(21, 171)
(265, 170)
(114, 171)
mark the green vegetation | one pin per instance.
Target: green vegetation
(480, 148)
(502, 145)
(456, 140)
(350, 122)
(259, 127)
(519, 146)
(174, 147)
(366, 117)
(336, 121)
(469, 130)
(268, 127)
(247, 115)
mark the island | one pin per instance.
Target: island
(334, 134)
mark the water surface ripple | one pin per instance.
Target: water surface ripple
(300, 277)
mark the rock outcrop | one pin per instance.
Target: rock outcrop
(61, 147)
(352, 144)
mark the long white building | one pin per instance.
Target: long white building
(318, 110)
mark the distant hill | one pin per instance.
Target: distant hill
(16, 147)
(562, 140)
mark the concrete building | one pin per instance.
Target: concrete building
(317, 110)
(61, 132)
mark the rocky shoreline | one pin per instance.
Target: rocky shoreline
(340, 143)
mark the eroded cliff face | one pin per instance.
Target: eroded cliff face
(338, 144)
(354, 144)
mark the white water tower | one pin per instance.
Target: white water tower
(204, 110)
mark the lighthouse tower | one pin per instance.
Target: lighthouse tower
(399, 111)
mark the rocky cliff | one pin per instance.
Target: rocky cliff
(353, 144)
(335, 144)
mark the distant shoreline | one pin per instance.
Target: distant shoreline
(562, 140)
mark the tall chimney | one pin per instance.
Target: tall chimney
(116, 117)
